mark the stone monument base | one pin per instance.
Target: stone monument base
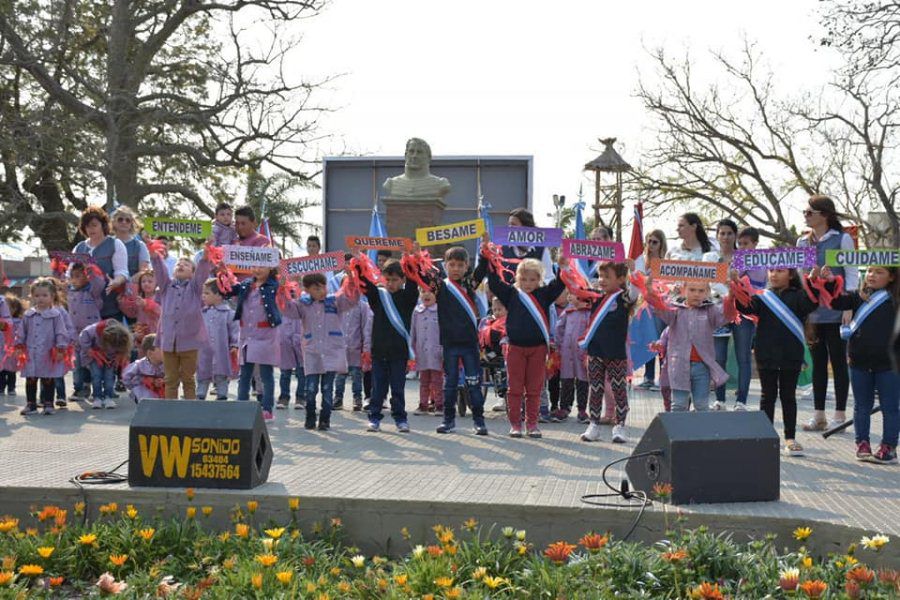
(405, 216)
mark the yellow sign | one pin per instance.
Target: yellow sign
(184, 456)
(448, 234)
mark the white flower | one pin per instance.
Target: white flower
(418, 551)
(520, 535)
(508, 532)
(875, 542)
(358, 561)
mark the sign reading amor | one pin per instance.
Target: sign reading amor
(594, 250)
(158, 226)
(689, 270)
(247, 257)
(774, 258)
(527, 236)
(321, 263)
(875, 257)
(448, 234)
(400, 244)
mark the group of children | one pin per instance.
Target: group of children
(193, 333)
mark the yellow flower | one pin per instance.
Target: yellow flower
(229, 563)
(266, 560)
(404, 533)
(344, 587)
(522, 550)
(850, 560)
(401, 578)
(31, 570)
(79, 508)
(452, 594)
(876, 542)
(131, 512)
(382, 584)
(6, 577)
(335, 571)
(87, 539)
(275, 533)
(310, 587)
(470, 524)
(207, 510)
(295, 534)
(257, 580)
(801, 533)
(508, 532)
(358, 561)
(252, 505)
(294, 503)
(242, 530)
(378, 560)
(118, 559)
(479, 573)
(147, 534)
(493, 582)
(284, 577)
(8, 563)
(428, 597)
(446, 536)
(225, 536)
(32, 531)
(443, 582)
(190, 493)
(45, 551)
(7, 525)
(323, 596)
(191, 512)
(807, 561)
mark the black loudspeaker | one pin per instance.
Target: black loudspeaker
(709, 457)
(191, 443)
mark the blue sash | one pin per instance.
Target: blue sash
(874, 301)
(457, 292)
(393, 315)
(784, 314)
(598, 317)
(537, 313)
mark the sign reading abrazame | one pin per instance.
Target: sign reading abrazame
(243, 258)
(157, 226)
(875, 257)
(321, 263)
(448, 234)
(774, 258)
(399, 244)
(689, 270)
(527, 236)
(594, 250)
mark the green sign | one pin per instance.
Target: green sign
(874, 257)
(157, 226)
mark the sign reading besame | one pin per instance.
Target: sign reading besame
(450, 233)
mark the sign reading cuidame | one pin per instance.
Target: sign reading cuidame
(527, 236)
(399, 244)
(321, 263)
(159, 226)
(774, 258)
(247, 257)
(594, 250)
(451, 233)
(875, 257)
(689, 270)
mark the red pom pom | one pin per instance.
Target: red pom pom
(214, 254)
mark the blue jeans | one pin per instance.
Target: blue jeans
(103, 381)
(356, 383)
(864, 385)
(313, 384)
(80, 375)
(650, 367)
(472, 370)
(389, 373)
(267, 375)
(699, 392)
(743, 350)
(284, 381)
(60, 388)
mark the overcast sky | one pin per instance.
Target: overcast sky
(529, 78)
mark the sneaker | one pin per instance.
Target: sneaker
(78, 396)
(268, 416)
(836, 423)
(885, 455)
(515, 432)
(559, 416)
(740, 407)
(403, 427)
(324, 425)
(863, 451)
(718, 405)
(338, 405)
(61, 403)
(366, 405)
(47, 410)
(645, 385)
(583, 417)
(357, 404)
(480, 430)
(299, 405)
(535, 433)
(421, 410)
(618, 435)
(544, 417)
(29, 409)
(310, 424)
(792, 448)
(109, 403)
(592, 433)
(446, 427)
(814, 425)
(96, 403)
(373, 426)
(499, 407)
(282, 403)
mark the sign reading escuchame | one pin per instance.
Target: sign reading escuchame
(321, 263)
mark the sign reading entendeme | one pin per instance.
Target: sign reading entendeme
(689, 270)
(874, 257)
(321, 263)
(159, 226)
(594, 250)
(248, 257)
(527, 236)
(774, 258)
(451, 233)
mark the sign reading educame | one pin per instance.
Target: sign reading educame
(399, 244)
(321, 263)
(774, 258)
(249, 257)
(159, 226)
(594, 250)
(875, 257)
(527, 236)
(689, 270)
(448, 234)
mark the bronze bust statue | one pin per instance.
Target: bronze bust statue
(417, 183)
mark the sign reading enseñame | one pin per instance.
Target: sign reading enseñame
(249, 257)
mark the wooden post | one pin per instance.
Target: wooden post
(596, 198)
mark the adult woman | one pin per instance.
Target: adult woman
(124, 225)
(694, 241)
(827, 233)
(522, 217)
(654, 247)
(108, 253)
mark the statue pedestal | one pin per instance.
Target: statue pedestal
(404, 216)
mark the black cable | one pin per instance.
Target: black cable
(97, 478)
(624, 493)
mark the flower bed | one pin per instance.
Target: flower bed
(55, 553)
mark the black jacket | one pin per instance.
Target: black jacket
(521, 328)
(454, 324)
(870, 346)
(387, 343)
(775, 346)
(612, 334)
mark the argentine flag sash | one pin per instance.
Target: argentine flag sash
(784, 314)
(457, 292)
(598, 317)
(537, 313)
(393, 315)
(874, 301)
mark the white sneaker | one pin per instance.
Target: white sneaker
(618, 434)
(592, 433)
(97, 403)
(836, 423)
(739, 407)
(109, 403)
(718, 405)
(499, 407)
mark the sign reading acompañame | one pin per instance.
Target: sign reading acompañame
(450, 233)
(874, 257)
(158, 226)
(400, 244)
(774, 258)
(321, 263)
(689, 270)
(594, 250)
(248, 257)
(527, 236)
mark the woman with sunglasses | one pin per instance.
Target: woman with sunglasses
(654, 247)
(124, 226)
(827, 233)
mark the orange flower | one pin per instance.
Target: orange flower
(434, 550)
(49, 512)
(118, 559)
(707, 591)
(31, 570)
(559, 552)
(853, 590)
(252, 505)
(309, 561)
(56, 581)
(8, 524)
(242, 530)
(675, 556)
(190, 493)
(207, 510)
(257, 580)
(147, 534)
(594, 541)
(813, 588)
(662, 490)
(191, 512)
(889, 576)
(336, 522)
(294, 504)
(6, 577)
(443, 582)
(861, 574)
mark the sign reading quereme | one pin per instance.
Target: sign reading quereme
(450, 233)
(158, 226)
(399, 244)
(594, 250)
(528, 236)
(774, 258)
(321, 263)
(689, 270)
(248, 257)
(874, 257)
